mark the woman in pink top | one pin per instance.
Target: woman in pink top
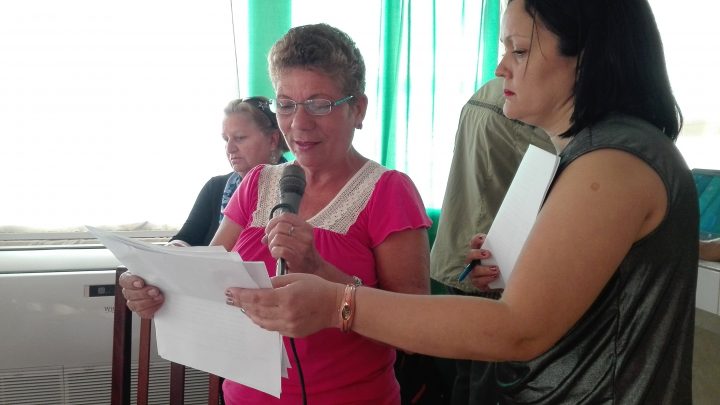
(358, 222)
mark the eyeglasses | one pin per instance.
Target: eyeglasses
(262, 104)
(316, 106)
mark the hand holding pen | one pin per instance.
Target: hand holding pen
(480, 276)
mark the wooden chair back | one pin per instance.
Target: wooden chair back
(122, 355)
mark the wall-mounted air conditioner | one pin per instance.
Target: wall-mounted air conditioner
(56, 325)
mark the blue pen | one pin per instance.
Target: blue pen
(466, 271)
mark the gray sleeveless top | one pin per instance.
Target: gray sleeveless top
(634, 345)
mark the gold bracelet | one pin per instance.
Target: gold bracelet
(347, 308)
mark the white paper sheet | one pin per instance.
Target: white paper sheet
(194, 326)
(518, 211)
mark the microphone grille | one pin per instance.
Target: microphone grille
(292, 180)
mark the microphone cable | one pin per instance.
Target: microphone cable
(300, 373)
(292, 340)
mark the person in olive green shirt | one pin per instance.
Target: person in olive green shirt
(488, 151)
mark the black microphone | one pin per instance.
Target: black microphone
(292, 187)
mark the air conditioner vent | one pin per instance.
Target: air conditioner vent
(87, 385)
(90, 385)
(32, 386)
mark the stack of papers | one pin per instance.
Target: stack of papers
(518, 211)
(195, 326)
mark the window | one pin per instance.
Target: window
(115, 108)
(111, 111)
(687, 33)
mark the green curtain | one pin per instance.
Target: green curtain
(490, 39)
(267, 22)
(393, 20)
(436, 54)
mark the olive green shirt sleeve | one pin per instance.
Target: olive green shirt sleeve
(488, 151)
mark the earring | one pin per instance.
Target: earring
(274, 157)
(358, 125)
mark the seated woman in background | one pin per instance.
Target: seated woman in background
(251, 137)
(358, 222)
(710, 250)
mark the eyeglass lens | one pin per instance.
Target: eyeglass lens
(317, 106)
